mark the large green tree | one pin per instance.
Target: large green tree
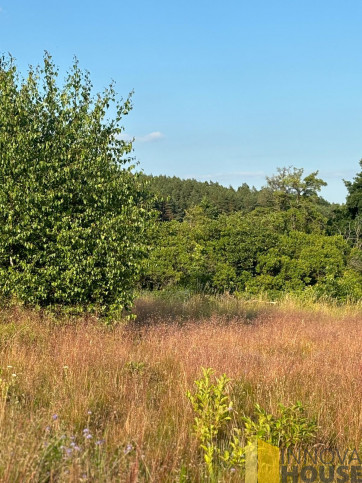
(72, 211)
(354, 197)
(289, 188)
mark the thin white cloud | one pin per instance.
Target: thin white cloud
(151, 137)
(148, 138)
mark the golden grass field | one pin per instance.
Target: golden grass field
(84, 402)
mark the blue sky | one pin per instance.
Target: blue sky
(223, 91)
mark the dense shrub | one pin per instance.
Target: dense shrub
(72, 213)
(262, 251)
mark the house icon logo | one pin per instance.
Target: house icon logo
(261, 463)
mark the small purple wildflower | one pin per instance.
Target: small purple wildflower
(55, 417)
(89, 412)
(100, 442)
(86, 431)
(232, 470)
(47, 428)
(128, 449)
(89, 436)
(69, 451)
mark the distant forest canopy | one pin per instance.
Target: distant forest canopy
(281, 238)
(175, 196)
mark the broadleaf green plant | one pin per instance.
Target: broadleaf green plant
(73, 214)
(212, 407)
(292, 427)
(224, 444)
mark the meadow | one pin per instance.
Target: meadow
(176, 390)
(82, 401)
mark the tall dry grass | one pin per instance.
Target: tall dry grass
(83, 402)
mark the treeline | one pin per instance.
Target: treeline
(175, 196)
(282, 238)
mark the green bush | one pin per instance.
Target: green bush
(300, 260)
(291, 428)
(223, 437)
(257, 252)
(212, 406)
(72, 213)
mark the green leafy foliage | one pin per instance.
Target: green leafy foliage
(234, 456)
(299, 260)
(211, 404)
(223, 438)
(212, 407)
(290, 189)
(262, 251)
(73, 215)
(291, 428)
(354, 198)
